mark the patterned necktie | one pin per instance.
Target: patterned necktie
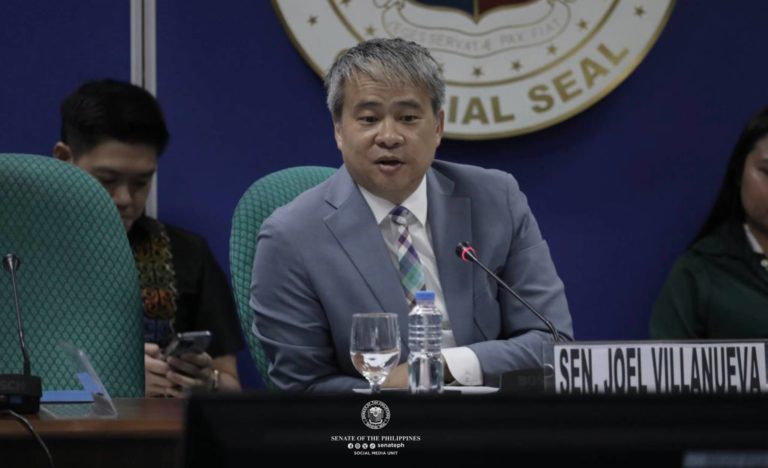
(411, 274)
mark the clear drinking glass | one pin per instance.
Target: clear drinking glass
(374, 346)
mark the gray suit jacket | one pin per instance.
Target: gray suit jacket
(322, 258)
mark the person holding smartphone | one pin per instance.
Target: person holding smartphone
(116, 132)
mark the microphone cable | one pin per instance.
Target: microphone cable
(24, 422)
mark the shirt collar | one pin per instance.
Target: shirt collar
(752, 241)
(416, 203)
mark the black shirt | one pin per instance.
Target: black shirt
(204, 300)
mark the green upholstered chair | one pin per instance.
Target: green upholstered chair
(259, 201)
(77, 280)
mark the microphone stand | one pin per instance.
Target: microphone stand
(466, 251)
(19, 392)
(523, 380)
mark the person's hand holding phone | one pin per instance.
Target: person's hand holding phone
(156, 369)
(190, 370)
(189, 365)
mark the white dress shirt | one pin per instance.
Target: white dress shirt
(461, 361)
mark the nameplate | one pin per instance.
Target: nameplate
(703, 367)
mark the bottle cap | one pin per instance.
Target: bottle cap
(425, 296)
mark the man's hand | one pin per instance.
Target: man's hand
(191, 370)
(447, 376)
(171, 376)
(398, 377)
(156, 383)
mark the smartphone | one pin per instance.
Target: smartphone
(194, 342)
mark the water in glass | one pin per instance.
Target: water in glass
(375, 346)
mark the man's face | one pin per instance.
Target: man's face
(387, 136)
(124, 169)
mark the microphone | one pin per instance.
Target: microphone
(11, 263)
(20, 393)
(466, 252)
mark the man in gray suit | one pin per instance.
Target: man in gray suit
(333, 251)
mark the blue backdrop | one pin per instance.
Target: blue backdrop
(618, 190)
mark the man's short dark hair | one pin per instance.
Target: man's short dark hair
(104, 110)
(391, 61)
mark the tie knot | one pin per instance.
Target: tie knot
(400, 215)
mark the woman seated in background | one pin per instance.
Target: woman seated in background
(719, 287)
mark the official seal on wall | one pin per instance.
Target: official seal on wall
(511, 66)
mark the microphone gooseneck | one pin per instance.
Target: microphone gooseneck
(466, 252)
(19, 392)
(11, 263)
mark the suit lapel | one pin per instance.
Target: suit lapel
(450, 221)
(355, 228)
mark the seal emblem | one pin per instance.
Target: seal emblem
(375, 414)
(511, 66)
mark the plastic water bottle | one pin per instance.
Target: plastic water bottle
(425, 364)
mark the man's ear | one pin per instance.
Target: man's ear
(440, 126)
(337, 134)
(63, 152)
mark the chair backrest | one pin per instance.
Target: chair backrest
(259, 201)
(77, 280)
